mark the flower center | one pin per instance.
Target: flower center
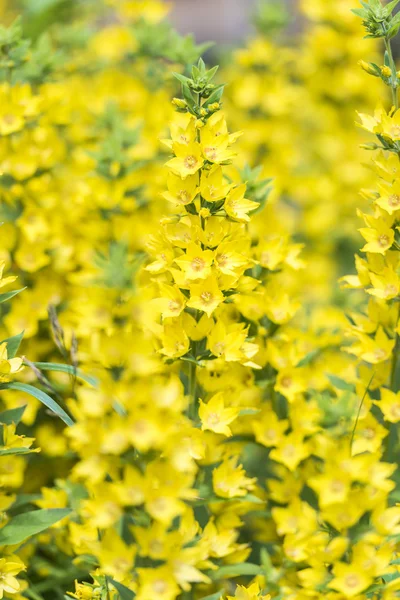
(174, 306)
(190, 161)
(286, 382)
(184, 196)
(383, 240)
(211, 152)
(394, 200)
(160, 586)
(352, 581)
(213, 419)
(198, 264)
(206, 297)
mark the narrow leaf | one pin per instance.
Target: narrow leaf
(181, 78)
(13, 344)
(58, 367)
(236, 570)
(341, 384)
(391, 6)
(30, 523)
(215, 596)
(41, 396)
(13, 415)
(16, 451)
(124, 592)
(8, 295)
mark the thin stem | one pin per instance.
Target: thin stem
(393, 85)
(359, 411)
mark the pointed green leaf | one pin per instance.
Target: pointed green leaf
(41, 396)
(30, 523)
(216, 95)
(211, 73)
(184, 80)
(215, 596)
(13, 415)
(187, 94)
(16, 451)
(8, 295)
(58, 367)
(341, 384)
(201, 65)
(13, 344)
(391, 6)
(236, 570)
(124, 592)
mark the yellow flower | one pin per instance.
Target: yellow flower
(8, 366)
(237, 206)
(196, 263)
(386, 284)
(181, 191)
(291, 451)
(212, 185)
(269, 430)
(8, 582)
(5, 280)
(389, 198)
(379, 236)
(215, 417)
(252, 592)
(188, 159)
(205, 296)
(230, 481)
(157, 583)
(389, 405)
(350, 579)
(174, 339)
(372, 350)
(172, 302)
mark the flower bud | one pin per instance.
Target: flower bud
(386, 71)
(368, 68)
(179, 103)
(205, 213)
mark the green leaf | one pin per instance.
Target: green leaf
(309, 358)
(24, 499)
(30, 523)
(215, 596)
(249, 411)
(341, 384)
(13, 415)
(13, 344)
(15, 451)
(8, 295)
(124, 592)
(386, 60)
(184, 80)
(391, 6)
(211, 499)
(41, 396)
(58, 367)
(211, 73)
(236, 570)
(216, 95)
(187, 94)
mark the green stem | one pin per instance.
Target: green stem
(393, 85)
